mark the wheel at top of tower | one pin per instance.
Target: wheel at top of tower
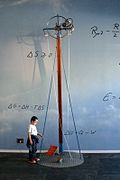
(59, 26)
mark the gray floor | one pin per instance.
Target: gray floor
(95, 167)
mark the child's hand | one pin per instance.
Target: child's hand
(31, 142)
(40, 135)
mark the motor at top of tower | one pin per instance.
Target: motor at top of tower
(68, 24)
(61, 28)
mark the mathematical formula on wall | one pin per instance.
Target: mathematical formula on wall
(15, 106)
(96, 31)
(36, 54)
(80, 132)
(110, 96)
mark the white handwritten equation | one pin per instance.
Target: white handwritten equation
(96, 31)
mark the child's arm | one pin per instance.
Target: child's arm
(30, 139)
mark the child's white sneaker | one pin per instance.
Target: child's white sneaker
(32, 162)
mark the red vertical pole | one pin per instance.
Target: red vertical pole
(59, 77)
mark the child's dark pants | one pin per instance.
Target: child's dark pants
(32, 150)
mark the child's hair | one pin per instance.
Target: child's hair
(34, 118)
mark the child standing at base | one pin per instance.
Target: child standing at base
(33, 140)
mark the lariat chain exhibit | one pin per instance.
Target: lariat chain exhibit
(63, 26)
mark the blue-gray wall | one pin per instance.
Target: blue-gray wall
(91, 58)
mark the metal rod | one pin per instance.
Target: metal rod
(59, 77)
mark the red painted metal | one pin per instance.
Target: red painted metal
(59, 76)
